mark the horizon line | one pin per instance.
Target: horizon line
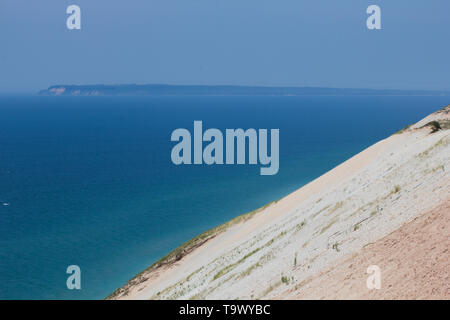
(39, 91)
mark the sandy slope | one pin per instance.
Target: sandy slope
(413, 260)
(294, 241)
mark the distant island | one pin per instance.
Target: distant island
(173, 90)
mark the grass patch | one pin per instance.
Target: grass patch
(442, 142)
(404, 129)
(300, 225)
(396, 189)
(249, 270)
(260, 263)
(336, 207)
(233, 265)
(193, 273)
(336, 246)
(320, 211)
(271, 288)
(328, 226)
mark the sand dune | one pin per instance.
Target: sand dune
(413, 260)
(315, 242)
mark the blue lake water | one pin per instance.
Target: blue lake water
(89, 180)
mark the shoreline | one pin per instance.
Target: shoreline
(187, 247)
(248, 242)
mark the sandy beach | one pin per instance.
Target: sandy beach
(387, 206)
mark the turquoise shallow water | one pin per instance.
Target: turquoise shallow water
(89, 180)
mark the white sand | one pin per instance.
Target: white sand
(310, 230)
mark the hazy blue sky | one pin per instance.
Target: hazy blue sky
(241, 42)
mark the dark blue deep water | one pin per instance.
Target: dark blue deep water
(89, 180)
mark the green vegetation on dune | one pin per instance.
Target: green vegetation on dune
(435, 125)
(187, 247)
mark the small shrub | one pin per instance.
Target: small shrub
(435, 126)
(336, 247)
(301, 225)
